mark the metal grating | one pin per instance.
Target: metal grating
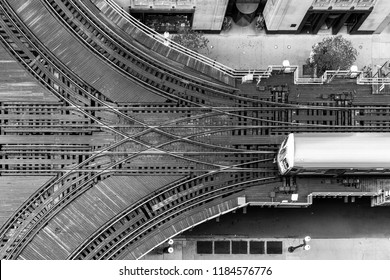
(256, 247)
(204, 247)
(274, 247)
(222, 247)
(239, 247)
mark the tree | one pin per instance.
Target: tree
(331, 54)
(191, 39)
(227, 23)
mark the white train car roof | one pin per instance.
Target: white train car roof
(342, 150)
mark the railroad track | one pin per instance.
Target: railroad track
(155, 76)
(41, 215)
(156, 206)
(48, 190)
(155, 35)
(130, 240)
(202, 115)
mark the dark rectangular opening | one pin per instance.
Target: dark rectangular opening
(256, 247)
(274, 247)
(222, 247)
(204, 247)
(239, 247)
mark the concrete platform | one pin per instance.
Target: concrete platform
(338, 231)
(248, 48)
(320, 249)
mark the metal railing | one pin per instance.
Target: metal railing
(159, 37)
(329, 75)
(325, 4)
(257, 73)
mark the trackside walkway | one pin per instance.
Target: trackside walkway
(246, 48)
(321, 249)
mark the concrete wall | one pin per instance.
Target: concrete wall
(281, 14)
(209, 14)
(379, 17)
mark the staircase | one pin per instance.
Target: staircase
(382, 199)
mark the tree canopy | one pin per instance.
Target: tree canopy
(192, 40)
(331, 54)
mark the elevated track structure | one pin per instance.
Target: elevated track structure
(140, 141)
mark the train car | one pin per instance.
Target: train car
(335, 154)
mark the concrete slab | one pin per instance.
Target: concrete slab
(352, 249)
(320, 249)
(248, 48)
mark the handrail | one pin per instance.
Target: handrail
(339, 193)
(373, 81)
(152, 33)
(239, 73)
(330, 74)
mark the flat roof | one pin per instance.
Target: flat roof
(342, 150)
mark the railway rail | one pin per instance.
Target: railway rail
(66, 196)
(98, 245)
(201, 130)
(152, 76)
(47, 194)
(155, 35)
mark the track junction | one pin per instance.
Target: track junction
(141, 141)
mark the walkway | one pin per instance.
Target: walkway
(320, 249)
(246, 48)
(338, 230)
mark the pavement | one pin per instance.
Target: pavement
(247, 48)
(320, 249)
(338, 231)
